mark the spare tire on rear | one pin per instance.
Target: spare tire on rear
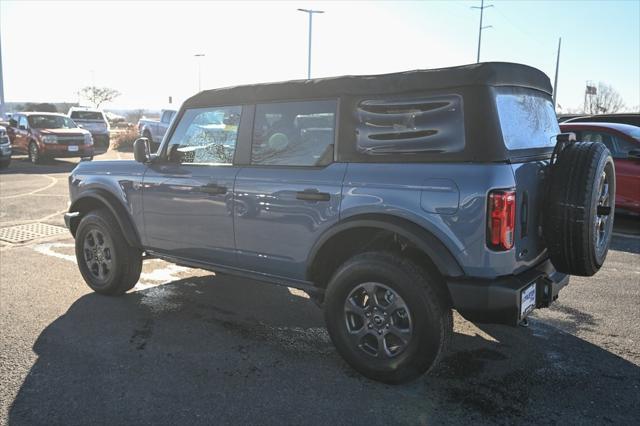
(578, 216)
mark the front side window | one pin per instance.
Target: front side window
(527, 119)
(51, 122)
(23, 122)
(206, 136)
(294, 133)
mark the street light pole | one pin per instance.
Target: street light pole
(482, 8)
(310, 13)
(199, 55)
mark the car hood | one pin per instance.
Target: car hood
(62, 132)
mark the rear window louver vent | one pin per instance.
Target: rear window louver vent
(405, 126)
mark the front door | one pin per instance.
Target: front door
(188, 193)
(290, 192)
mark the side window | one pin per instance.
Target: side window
(294, 133)
(206, 136)
(165, 117)
(23, 122)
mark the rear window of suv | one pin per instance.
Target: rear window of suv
(87, 115)
(527, 119)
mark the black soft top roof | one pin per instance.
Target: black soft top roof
(482, 74)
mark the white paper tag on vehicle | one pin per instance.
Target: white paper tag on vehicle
(527, 300)
(73, 148)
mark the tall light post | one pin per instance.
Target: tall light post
(2, 107)
(198, 56)
(310, 13)
(482, 8)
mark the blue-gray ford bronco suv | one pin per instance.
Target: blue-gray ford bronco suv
(390, 199)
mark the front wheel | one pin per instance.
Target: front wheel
(387, 317)
(34, 153)
(108, 264)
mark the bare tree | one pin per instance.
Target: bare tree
(134, 116)
(607, 100)
(99, 95)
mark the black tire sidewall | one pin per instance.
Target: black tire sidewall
(424, 347)
(37, 159)
(115, 284)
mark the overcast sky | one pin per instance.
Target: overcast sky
(145, 49)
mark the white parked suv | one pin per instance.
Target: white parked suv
(95, 121)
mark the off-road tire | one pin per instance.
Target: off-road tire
(429, 309)
(127, 260)
(572, 208)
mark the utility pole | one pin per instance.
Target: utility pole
(482, 8)
(310, 13)
(2, 108)
(555, 80)
(198, 56)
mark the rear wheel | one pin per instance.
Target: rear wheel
(578, 221)
(386, 317)
(107, 263)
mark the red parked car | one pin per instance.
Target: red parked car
(48, 135)
(623, 140)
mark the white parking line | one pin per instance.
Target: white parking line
(25, 194)
(159, 276)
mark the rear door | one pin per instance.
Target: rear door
(188, 194)
(289, 193)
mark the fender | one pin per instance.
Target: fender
(114, 205)
(417, 235)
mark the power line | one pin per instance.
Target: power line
(482, 8)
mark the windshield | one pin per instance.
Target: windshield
(527, 119)
(51, 122)
(87, 115)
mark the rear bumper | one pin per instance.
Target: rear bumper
(498, 301)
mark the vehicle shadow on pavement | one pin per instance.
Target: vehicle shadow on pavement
(48, 166)
(222, 350)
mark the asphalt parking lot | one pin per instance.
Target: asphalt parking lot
(189, 346)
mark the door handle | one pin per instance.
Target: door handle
(312, 195)
(213, 189)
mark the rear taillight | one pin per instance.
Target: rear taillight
(501, 219)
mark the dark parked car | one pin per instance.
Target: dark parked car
(49, 135)
(5, 149)
(623, 141)
(390, 199)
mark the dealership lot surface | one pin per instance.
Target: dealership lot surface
(191, 346)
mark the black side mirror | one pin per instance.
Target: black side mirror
(142, 150)
(13, 123)
(22, 127)
(634, 154)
